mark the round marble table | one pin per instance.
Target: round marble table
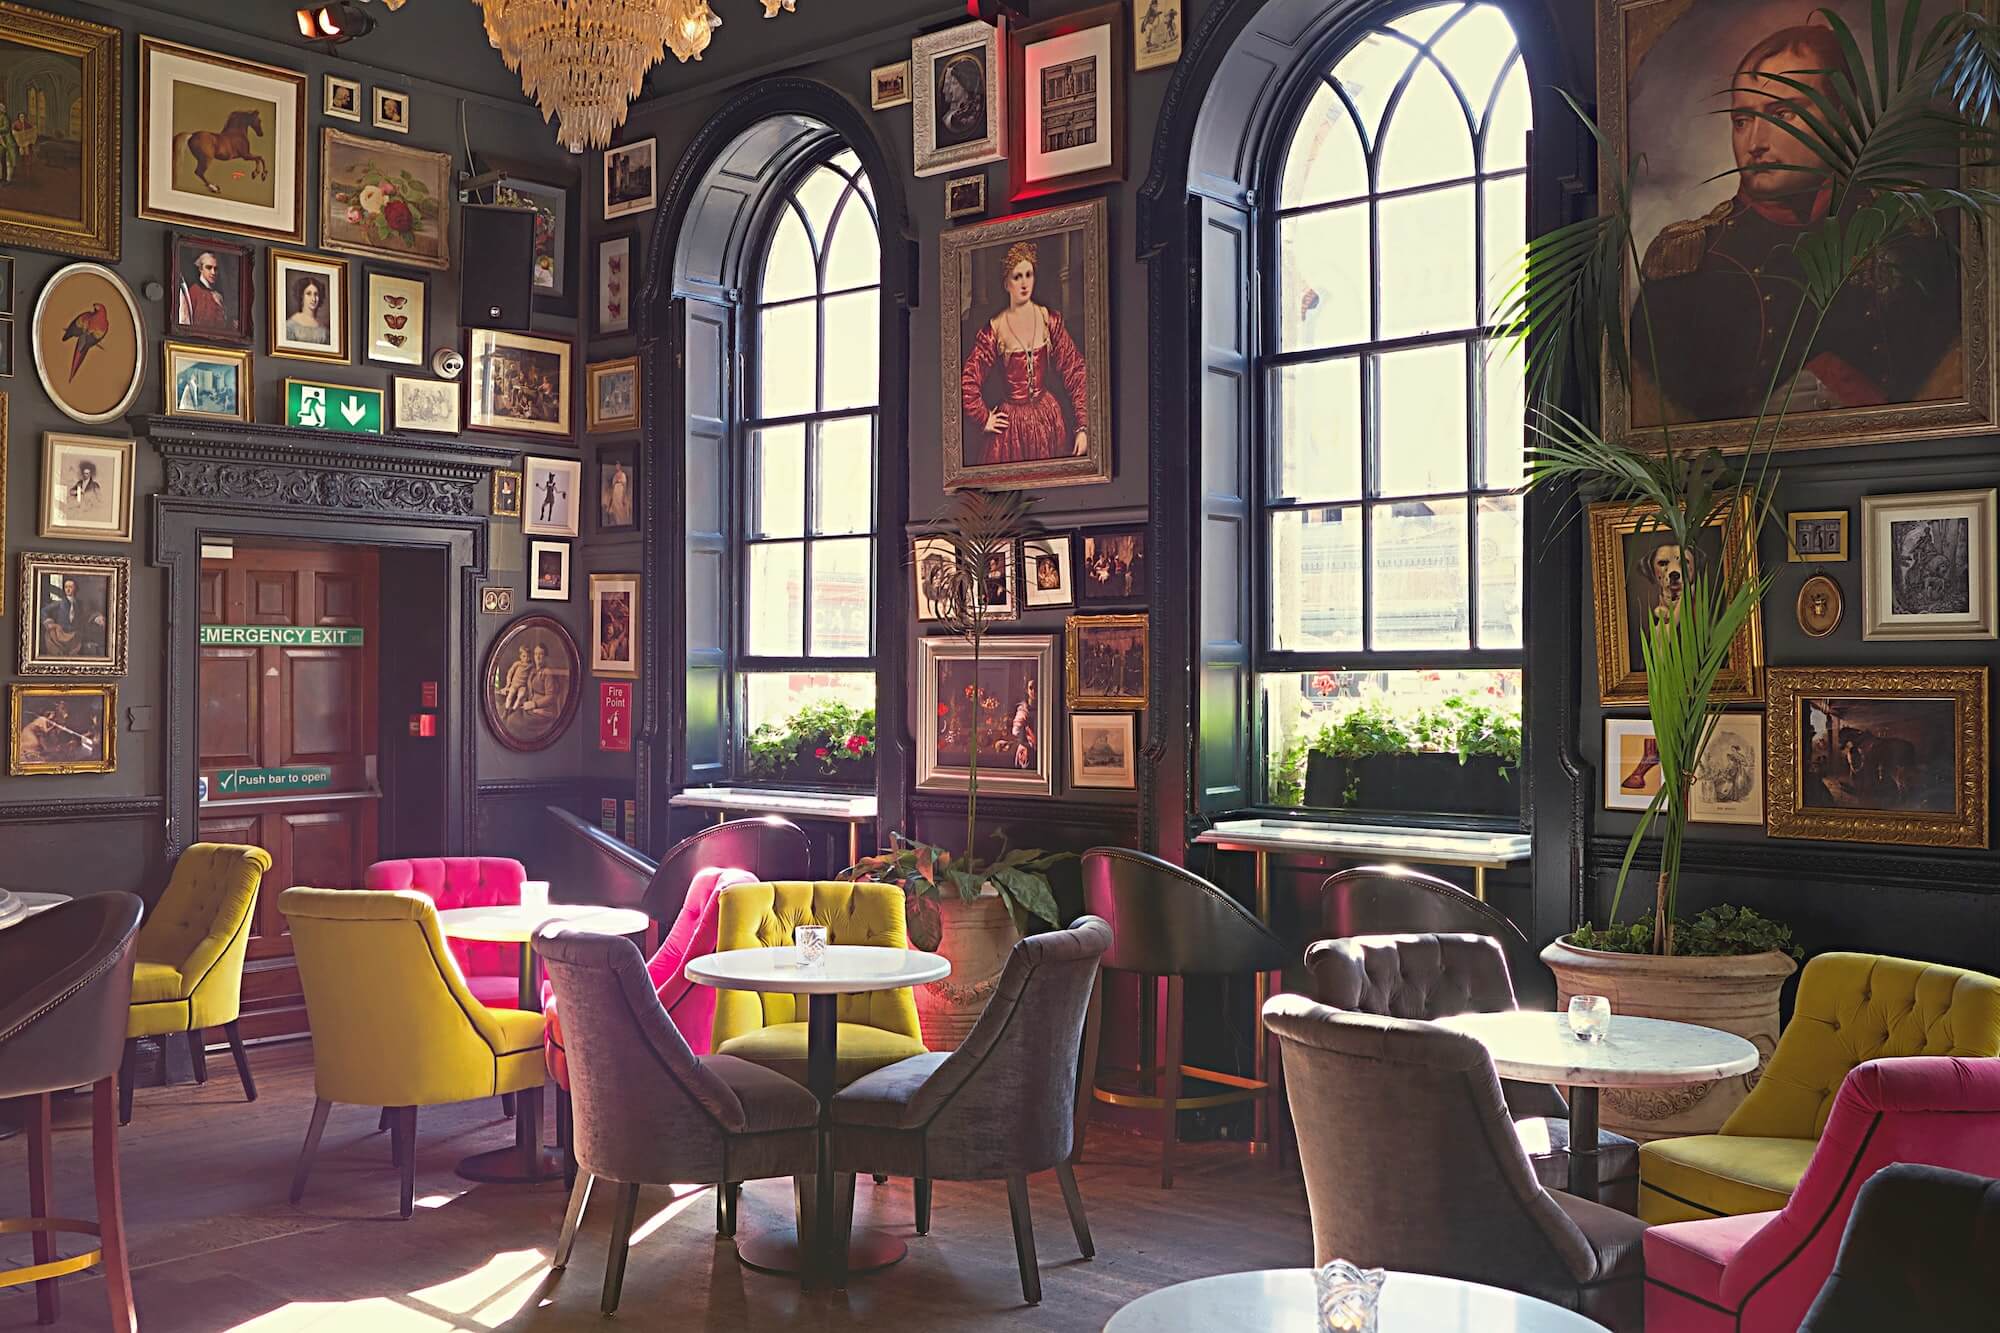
(1538, 1047)
(528, 1161)
(1283, 1300)
(18, 906)
(847, 969)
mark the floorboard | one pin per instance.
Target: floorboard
(216, 1246)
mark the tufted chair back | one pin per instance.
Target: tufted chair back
(755, 916)
(1167, 921)
(1855, 1007)
(200, 927)
(1411, 976)
(465, 881)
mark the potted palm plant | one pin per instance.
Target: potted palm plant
(1879, 144)
(970, 908)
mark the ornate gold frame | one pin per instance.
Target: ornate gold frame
(1977, 410)
(96, 233)
(15, 765)
(172, 350)
(1623, 681)
(117, 614)
(1785, 815)
(1072, 676)
(595, 424)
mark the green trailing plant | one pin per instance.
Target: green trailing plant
(1717, 932)
(824, 736)
(1878, 146)
(978, 527)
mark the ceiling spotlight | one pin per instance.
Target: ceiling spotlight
(334, 23)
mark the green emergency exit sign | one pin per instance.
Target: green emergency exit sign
(340, 407)
(272, 781)
(279, 636)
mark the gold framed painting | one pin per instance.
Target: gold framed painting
(614, 625)
(1025, 350)
(307, 320)
(611, 391)
(517, 383)
(1000, 704)
(1906, 348)
(222, 142)
(1107, 661)
(506, 492)
(73, 614)
(62, 729)
(87, 487)
(67, 198)
(384, 200)
(89, 343)
(1878, 754)
(211, 382)
(1638, 575)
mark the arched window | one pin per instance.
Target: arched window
(1389, 487)
(809, 446)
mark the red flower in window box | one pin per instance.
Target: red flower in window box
(820, 753)
(856, 744)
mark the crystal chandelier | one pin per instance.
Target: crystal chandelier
(583, 61)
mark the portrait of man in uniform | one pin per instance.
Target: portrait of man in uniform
(1721, 198)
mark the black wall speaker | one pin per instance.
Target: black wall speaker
(496, 267)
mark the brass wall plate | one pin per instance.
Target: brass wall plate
(1820, 606)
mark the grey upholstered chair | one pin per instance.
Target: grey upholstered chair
(1395, 900)
(1411, 1162)
(1168, 923)
(1435, 976)
(1002, 1106)
(650, 1111)
(1922, 1250)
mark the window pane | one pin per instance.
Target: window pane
(840, 597)
(1500, 572)
(1502, 434)
(1507, 128)
(1424, 22)
(845, 472)
(772, 697)
(1420, 426)
(845, 161)
(1427, 262)
(1474, 50)
(1506, 236)
(853, 351)
(1428, 137)
(855, 257)
(1324, 162)
(1316, 579)
(1370, 73)
(1323, 288)
(817, 194)
(787, 359)
(778, 482)
(1419, 576)
(788, 268)
(774, 608)
(1319, 440)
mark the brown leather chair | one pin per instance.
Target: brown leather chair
(1002, 1106)
(65, 998)
(1424, 977)
(1170, 924)
(1395, 900)
(773, 849)
(1411, 1162)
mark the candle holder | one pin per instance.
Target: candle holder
(1590, 1017)
(1349, 1297)
(811, 943)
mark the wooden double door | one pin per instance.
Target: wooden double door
(289, 737)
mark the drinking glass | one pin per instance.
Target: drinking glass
(811, 943)
(534, 894)
(1348, 1297)
(1590, 1017)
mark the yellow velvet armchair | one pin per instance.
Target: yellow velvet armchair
(189, 975)
(1852, 1007)
(877, 1028)
(393, 1023)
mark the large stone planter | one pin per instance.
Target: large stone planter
(1738, 994)
(976, 936)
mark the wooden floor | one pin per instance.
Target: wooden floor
(216, 1247)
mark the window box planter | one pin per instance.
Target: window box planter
(1413, 783)
(809, 772)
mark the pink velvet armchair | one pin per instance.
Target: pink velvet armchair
(1759, 1272)
(492, 971)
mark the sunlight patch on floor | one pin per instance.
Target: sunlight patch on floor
(684, 1197)
(485, 1298)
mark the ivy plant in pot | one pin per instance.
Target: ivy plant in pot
(970, 908)
(1876, 148)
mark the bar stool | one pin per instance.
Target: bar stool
(1167, 925)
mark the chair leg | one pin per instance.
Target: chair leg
(727, 1195)
(1277, 1104)
(622, 1213)
(111, 1209)
(393, 1115)
(923, 1193)
(128, 1066)
(843, 1225)
(1086, 1071)
(313, 1130)
(1024, 1239)
(406, 1134)
(529, 1109)
(1073, 1200)
(566, 1135)
(242, 1059)
(382, 1123)
(579, 1199)
(48, 1299)
(507, 1105)
(1170, 1083)
(197, 1055)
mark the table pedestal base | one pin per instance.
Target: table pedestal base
(503, 1166)
(778, 1251)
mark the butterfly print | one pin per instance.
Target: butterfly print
(395, 339)
(395, 321)
(395, 302)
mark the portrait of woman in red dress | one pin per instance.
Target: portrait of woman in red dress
(1024, 382)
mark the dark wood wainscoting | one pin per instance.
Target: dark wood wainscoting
(83, 846)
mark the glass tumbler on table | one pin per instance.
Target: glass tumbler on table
(811, 944)
(534, 894)
(1348, 1297)
(1590, 1017)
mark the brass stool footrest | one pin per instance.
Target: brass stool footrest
(76, 1263)
(1242, 1090)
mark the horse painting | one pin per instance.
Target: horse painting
(229, 144)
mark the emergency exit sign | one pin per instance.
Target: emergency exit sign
(340, 407)
(279, 636)
(272, 781)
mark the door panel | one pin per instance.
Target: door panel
(273, 595)
(209, 596)
(316, 707)
(325, 846)
(229, 707)
(338, 598)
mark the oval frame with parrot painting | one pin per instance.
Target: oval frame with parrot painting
(89, 343)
